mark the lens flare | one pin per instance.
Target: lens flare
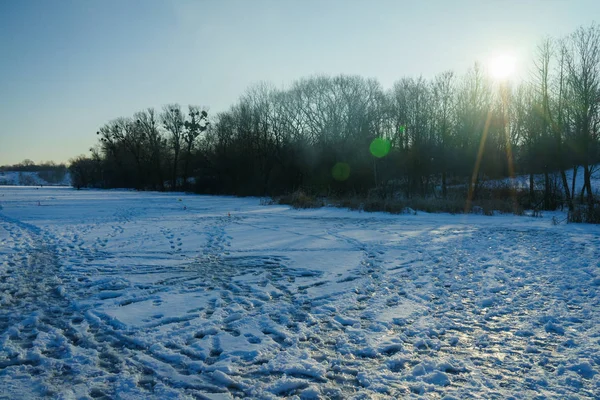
(380, 147)
(340, 171)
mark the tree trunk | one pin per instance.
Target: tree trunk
(475, 187)
(575, 168)
(563, 175)
(444, 188)
(587, 175)
(546, 190)
(138, 178)
(187, 166)
(531, 190)
(175, 161)
(375, 172)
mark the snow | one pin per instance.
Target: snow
(16, 178)
(522, 181)
(119, 294)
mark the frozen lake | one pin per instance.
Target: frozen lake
(120, 294)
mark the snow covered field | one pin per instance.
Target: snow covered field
(117, 294)
(15, 178)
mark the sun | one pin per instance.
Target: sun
(503, 66)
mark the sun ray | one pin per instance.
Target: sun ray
(473, 181)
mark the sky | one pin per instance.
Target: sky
(69, 66)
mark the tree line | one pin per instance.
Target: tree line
(28, 165)
(345, 135)
(49, 171)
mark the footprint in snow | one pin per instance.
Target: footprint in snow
(252, 339)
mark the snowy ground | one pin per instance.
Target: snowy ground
(522, 181)
(15, 178)
(115, 294)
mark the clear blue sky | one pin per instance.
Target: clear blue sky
(68, 66)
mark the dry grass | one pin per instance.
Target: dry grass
(430, 205)
(452, 205)
(300, 199)
(583, 214)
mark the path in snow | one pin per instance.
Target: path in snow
(108, 294)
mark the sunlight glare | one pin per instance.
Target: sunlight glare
(503, 66)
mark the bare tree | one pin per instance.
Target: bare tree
(473, 108)
(541, 83)
(196, 123)
(444, 99)
(582, 58)
(148, 126)
(173, 121)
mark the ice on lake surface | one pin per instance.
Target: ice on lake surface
(120, 294)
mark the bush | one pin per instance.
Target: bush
(54, 176)
(585, 214)
(430, 205)
(376, 202)
(266, 201)
(299, 199)
(433, 205)
(353, 203)
(390, 206)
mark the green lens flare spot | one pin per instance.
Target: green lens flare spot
(380, 147)
(340, 171)
(401, 129)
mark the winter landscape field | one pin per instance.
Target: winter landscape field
(128, 295)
